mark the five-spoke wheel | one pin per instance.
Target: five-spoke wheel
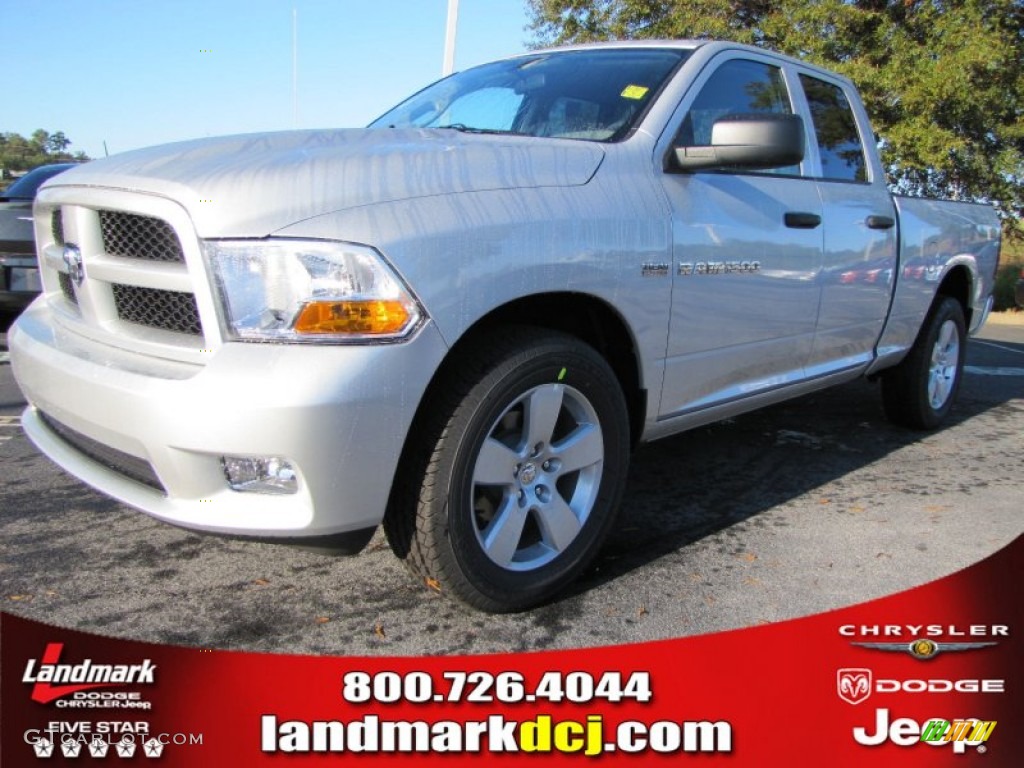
(536, 476)
(919, 392)
(516, 478)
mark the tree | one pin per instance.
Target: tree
(40, 139)
(20, 154)
(943, 80)
(57, 143)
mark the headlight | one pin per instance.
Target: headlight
(309, 290)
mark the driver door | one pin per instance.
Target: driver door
(747, 247)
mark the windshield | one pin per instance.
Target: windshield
(593, 94)
(26, 187)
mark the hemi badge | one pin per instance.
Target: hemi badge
(650, 269)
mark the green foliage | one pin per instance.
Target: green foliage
(20, 154)
(943, 80)
(1004, 292)
(1012, 251)
(1011, 264)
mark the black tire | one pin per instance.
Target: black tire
(919, 392)
(479, 463)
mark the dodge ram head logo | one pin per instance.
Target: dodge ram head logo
(73, 261)
(853, 685)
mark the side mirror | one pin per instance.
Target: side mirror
(754, 142)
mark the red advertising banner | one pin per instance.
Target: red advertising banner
(928, 677)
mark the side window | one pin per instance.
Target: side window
(736, 87)
(842, 156)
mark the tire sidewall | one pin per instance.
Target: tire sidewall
(555, 362)
(947, 309)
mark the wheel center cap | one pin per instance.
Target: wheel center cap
(528, 473)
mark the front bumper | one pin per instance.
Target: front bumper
(340, 414)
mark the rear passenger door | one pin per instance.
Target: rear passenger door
(860, 249)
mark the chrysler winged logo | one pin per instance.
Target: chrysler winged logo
(73, 261)
(853, 685)
(923, 648)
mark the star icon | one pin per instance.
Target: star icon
(98, 747)
(43, 748)
(71, 748)
(153, 748)
(125, 748)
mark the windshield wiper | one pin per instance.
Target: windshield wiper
(462, 128)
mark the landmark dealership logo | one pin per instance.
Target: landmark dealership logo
(51, 680)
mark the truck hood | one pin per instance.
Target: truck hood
(253, 185)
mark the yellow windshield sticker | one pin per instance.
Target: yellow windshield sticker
(634, 91)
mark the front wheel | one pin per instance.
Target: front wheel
(522, 465)
(920, 391)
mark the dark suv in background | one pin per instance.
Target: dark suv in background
(19, 273)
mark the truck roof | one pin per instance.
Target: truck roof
(709, 47)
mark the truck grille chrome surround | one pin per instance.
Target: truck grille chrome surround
(132, 467)
(139, 237)
(144, 286)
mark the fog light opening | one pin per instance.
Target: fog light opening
(260, 474)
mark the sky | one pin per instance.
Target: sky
(135, 73)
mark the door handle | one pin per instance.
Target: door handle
(800, 220)
(880, 222)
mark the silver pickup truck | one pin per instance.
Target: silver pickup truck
(459, 321)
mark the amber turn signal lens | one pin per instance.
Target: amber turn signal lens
(354, 317)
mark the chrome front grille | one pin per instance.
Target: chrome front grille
(121, 272)
(139, 237)
(156, 308)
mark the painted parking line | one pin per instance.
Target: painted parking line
(8, 423)
(980, 370)
(998, 346)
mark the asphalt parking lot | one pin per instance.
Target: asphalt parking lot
(812, 505)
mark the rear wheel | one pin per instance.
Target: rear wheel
(519, 471)
(920, 391)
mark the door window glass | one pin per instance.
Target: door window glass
(839, 146)
(737, 87)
